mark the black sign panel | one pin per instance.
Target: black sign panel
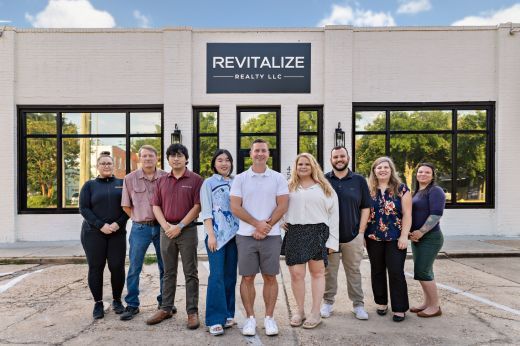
(258, 68)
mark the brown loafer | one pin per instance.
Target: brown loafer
(158, 317)
(416, 310)
(193, 321)
(435, 314)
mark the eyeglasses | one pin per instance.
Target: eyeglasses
(105, 163)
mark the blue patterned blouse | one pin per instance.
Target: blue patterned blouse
(215, 205)
(386, 215)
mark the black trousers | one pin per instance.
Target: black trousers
(386, 256)
(101, 248)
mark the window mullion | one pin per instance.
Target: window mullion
(454, 173)
(387, 137)
(128, 153)
(59, 163)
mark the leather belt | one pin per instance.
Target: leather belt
(148, 223)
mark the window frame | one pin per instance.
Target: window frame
(389, 107)
(274, 153)
(197, 134)
(59, 136)
(318, 133)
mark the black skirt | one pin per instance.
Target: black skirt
(303, 243)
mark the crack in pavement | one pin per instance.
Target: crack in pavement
(80, 332)
(26, 271)
(473, 308)
(489, 325)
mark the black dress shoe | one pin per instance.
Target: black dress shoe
(98, 311)
(397, 318)
(118, 307)
(382, 312)
(129, 313)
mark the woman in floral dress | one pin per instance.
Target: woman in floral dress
(387, 236)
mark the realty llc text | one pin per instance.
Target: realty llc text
(257, 76)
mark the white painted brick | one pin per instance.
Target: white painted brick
(93, 67)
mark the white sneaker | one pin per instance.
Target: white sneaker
(326, 310)
(271, 328)
(249, 328)
(360, 313)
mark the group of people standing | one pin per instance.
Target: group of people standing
(326, 217)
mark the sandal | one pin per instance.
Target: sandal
(297, 320)
(230, 322)
(216, 329)
(312, 323)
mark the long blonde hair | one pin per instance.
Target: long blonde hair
(393, 183)
(316, 175)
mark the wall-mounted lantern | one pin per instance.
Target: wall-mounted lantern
(176, 135)
(339, 136)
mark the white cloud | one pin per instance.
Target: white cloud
(142, 20)
(71, 14)
(505, 15)
(414, 6)
(346, 15)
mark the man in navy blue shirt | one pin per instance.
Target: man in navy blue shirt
(354, 209)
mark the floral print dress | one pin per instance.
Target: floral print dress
(386, 215)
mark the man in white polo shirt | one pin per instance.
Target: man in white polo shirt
(259, 198)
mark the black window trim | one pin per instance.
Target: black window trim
(489, 106)
(196, 133)
(318, 133)
(59, 109)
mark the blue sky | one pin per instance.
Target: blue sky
(254, 13)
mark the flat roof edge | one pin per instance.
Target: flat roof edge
(273, 29)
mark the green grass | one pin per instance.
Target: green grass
(150, 259)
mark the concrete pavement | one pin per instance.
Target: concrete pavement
(52, 305)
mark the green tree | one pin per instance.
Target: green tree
(207, 144)
(308, 123)
(42, 161)
(407, 150)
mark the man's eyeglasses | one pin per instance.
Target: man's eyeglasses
(105, 163)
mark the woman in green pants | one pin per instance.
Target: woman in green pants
(428, 205)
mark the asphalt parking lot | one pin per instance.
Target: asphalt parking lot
(51, 304)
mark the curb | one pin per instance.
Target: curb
(204, 257)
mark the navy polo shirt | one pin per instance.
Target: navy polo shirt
(353, 195)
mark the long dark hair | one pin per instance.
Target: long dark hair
(219, 152)
(432, 183)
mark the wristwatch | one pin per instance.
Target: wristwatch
(181, 225)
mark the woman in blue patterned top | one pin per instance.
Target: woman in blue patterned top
(221, 227)
(387, 236)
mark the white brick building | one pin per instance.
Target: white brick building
(352, 69)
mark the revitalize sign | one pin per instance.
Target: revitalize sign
(258, 67)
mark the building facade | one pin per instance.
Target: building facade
(449, 95)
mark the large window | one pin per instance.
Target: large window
(253, 123)
(310, 137)
(457, 138)
(58, 148)
(205, 139)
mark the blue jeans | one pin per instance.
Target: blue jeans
(220, 296)
(140, 238)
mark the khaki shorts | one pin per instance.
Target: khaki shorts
(258, 256)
